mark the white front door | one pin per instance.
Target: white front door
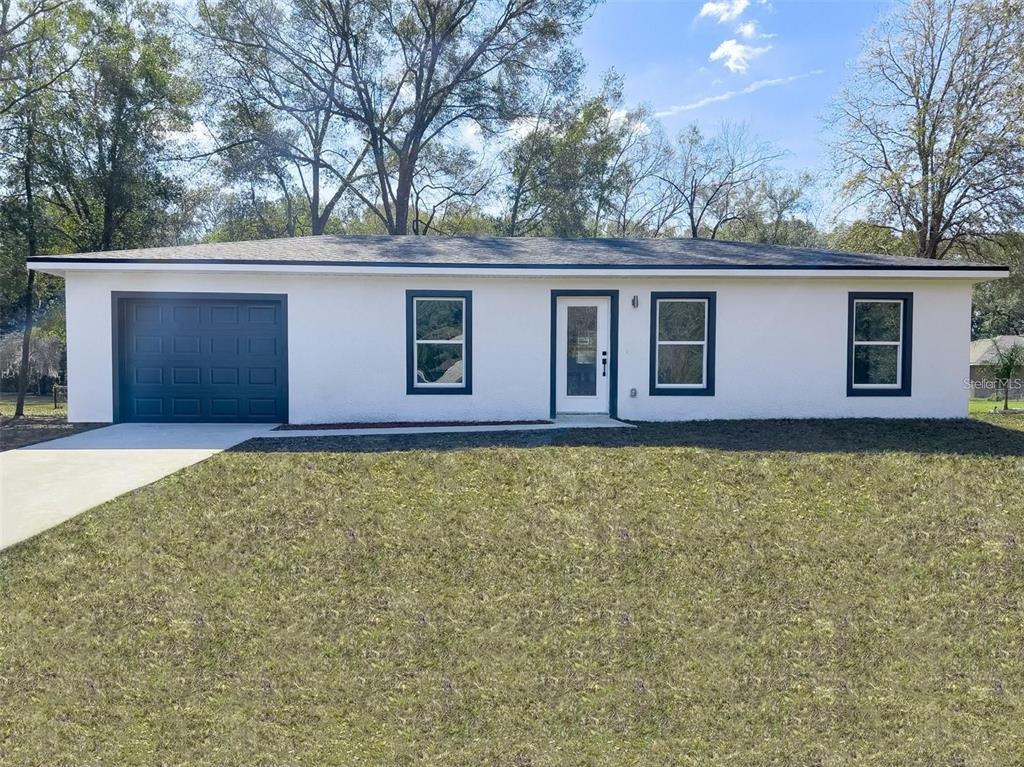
(582, 351)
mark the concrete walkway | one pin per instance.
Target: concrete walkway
(45, 484)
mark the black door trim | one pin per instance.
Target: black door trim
(117, 321)
(613, 331)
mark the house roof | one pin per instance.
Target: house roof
(983, 351)
(515, 252)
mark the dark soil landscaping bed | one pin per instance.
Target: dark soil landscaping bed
(398, 424)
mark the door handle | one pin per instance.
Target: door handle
(604, 364)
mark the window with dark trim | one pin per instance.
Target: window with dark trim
(878, 344)
(439, 341)
(682, 344)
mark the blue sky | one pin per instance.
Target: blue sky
(790, 56)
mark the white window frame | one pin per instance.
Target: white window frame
(898, 343)
(417, 341)
(658, 343)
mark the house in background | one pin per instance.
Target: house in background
(375, 329)
(983, 357)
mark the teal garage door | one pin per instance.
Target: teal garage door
(201, 358)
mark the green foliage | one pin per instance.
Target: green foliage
(562, 167)
(247, 217)
(866, 237)
(749, 593)
(999, 304)
(111, 128)
(775, 212)
(48, 295)
(1007, 366)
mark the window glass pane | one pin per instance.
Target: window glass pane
(439, 320)
(875, 364)
(681, 320)
(877, 320)
(681, 364)
(581, 351)
(439, 363)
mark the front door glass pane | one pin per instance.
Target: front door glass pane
(581, 351)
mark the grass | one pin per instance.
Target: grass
(781, 593)
(34, 405)
(41, 422)
(986, 405)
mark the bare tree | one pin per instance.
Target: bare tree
(930, 129)
(443, 187)
(642, 204)
(711, 175)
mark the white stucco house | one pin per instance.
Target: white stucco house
(375, 329)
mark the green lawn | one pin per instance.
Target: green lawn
(34, 405)
(782, 593)
(41, 422)
(986, 405)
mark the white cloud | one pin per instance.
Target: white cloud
(724, 10)
(754, 86)
(749, 30)
(736, 56)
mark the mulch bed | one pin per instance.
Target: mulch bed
(399, 424)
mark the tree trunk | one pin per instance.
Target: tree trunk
(316, 222)
(109, 192)
(403, 192)
(33, 245)
(26, 340)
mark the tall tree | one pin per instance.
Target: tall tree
(113, 128)
(37, 60)
(568, 173)
(930, 130)
(368, 92)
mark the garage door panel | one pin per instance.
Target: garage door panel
(224, 314)
(148, 313)
(262, 407)
(264, 315)
(199, 359)
(224, 407)
(224, 345)
(147, 407)
(186, 344)
(186, 315)
(262, 345)
(224, 375)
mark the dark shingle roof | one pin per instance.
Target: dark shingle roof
(514, 252)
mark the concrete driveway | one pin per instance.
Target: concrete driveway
(45, 484)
